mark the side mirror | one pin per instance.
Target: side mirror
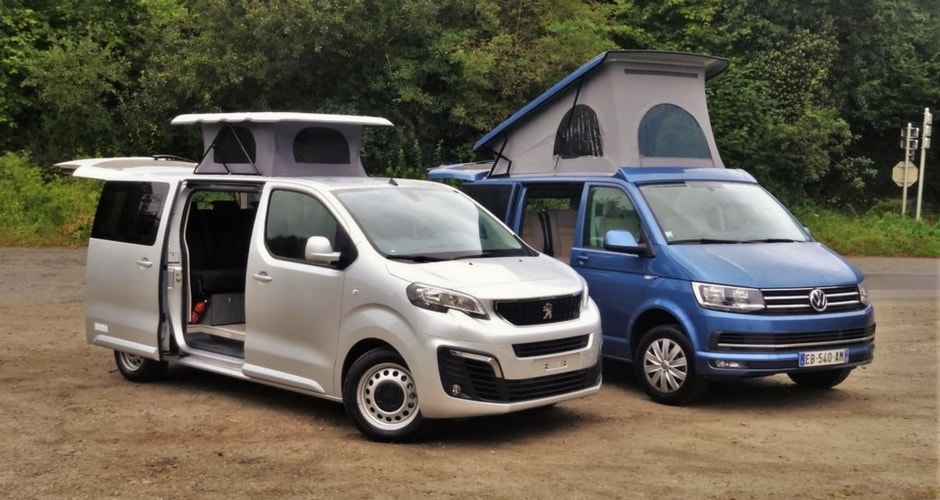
(319, 251)
(621, 240)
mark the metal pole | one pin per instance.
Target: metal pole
(907, 154)
(924, 144)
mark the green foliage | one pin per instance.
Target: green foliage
(37, 212)
(811, 105)
(873, 234)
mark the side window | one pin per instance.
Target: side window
(234, 145)
(609, 208)
(495, 197)
(670, 131)
(321, 145)
(292, 218)
(579, 134)
(129, 212)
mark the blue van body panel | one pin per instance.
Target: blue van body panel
(764, 265)
(645, 175)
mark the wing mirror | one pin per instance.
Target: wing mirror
(623, 241)
(319, 250)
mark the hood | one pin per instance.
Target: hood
(765, 265)
(494, 278)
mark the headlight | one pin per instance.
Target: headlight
(585, 297)
(863, 294)
(727, 298)
(442, 299)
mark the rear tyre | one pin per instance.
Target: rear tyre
(665, 367)
(820, 380)
(381, 398)
(137, 368)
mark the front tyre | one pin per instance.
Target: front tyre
(665, 366)
(138, 368)
(820, 379)
(380, 397)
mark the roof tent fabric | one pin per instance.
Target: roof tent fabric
(281, 144)
(621, 109)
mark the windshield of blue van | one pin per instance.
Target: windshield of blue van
(425, 225)
(720, 212)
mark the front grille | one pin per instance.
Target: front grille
(736, 341)
(539, 311)
(783, 301)
(543, 348)
(477, 380)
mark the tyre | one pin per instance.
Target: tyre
(820, 379)
(665, 366)
(381, 399)
(137, 368)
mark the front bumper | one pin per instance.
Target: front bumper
(730, 345)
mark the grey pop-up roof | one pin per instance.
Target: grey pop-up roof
(281, 144)
(621, 109)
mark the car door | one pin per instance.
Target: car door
(124, 273)
(293, 307)
(616, 280)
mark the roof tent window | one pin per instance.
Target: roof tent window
(231, 145)
(579, 134)
(670, 131)
(321, 145)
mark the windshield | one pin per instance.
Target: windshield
(421, 224)
(720, 212)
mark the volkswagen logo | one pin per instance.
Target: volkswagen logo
(817, 299)
(547, 310)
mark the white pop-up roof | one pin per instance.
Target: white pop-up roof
(281, 144)
(621, 109)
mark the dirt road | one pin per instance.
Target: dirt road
(71, 427)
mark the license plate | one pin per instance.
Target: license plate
(558, 363)
(824, 358)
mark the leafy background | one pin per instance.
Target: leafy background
(812, 104)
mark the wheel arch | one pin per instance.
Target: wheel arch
(650, 319)
(360, 348)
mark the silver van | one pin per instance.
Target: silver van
(276, 259)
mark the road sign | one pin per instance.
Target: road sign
(902, 178)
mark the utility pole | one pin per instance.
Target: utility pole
(924, 146)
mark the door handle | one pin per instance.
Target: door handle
(581, 259)
(144, 263)
(262, 277)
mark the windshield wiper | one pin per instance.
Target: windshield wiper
(415, 258)
(491, 253)
(773, 240)
(702, 241)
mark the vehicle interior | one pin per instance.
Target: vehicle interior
(217, 240)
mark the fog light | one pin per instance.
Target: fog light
(455, 390)
(721, 363)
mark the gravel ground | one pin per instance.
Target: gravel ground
(71, 427)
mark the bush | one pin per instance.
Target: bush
(39, 212)
(873, 233)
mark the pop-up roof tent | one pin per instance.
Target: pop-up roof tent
(281, 144)
(621, 109)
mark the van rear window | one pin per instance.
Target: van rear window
(129, 212)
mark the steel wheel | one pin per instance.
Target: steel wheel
(386, 396)
(138, 368)
(381, 397)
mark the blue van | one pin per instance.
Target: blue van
(699, 272)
